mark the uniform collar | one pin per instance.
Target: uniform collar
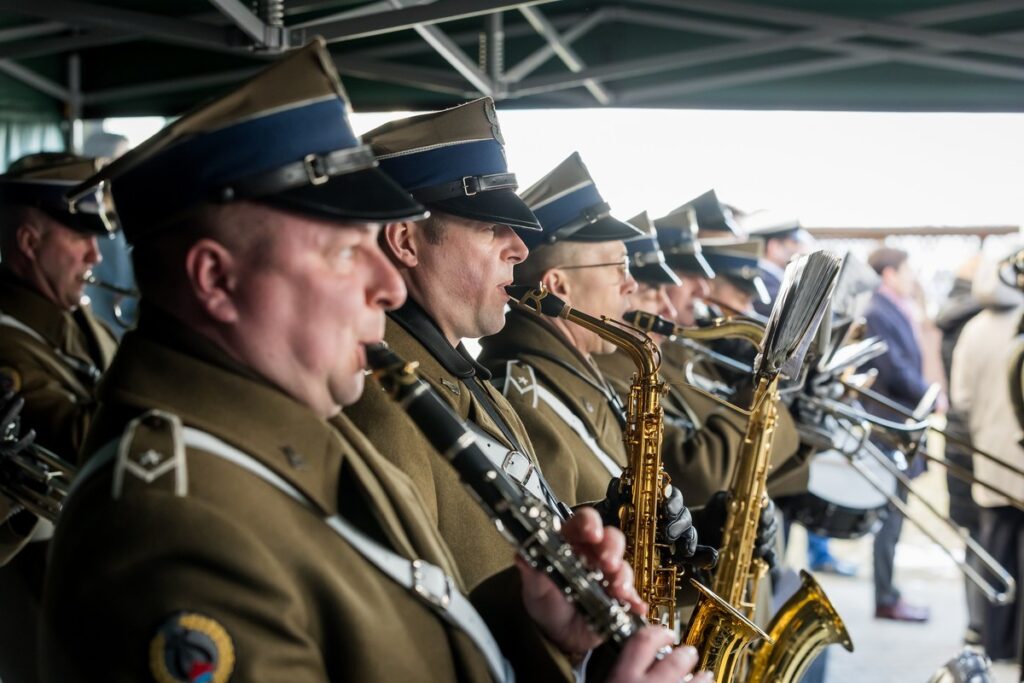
(455, 360)
(209, 393)
(527, 332)
(20, 300)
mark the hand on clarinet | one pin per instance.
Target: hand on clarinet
(602, 548)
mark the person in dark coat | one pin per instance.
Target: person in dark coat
(890, 317)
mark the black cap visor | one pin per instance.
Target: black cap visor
(367, 196)
(503, 207)
(654, 274)
(754, 286)
(691, 264)
(607, 229)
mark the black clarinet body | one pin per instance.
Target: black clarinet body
(528, 523)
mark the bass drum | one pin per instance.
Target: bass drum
(840, 502)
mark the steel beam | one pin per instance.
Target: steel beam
(411, 16)
(273, 38)
(565, 52)
(379, 7)
(169, 86)
(112, 18)
(858, 56)
(448, 49)
(531, 62)
(465, 38)
(34, 80)
(496, 47)
(421, 77)
(668, 61)
(764, 41)
(44, 28)
(74, 109)
(846, 28)
(27, 49)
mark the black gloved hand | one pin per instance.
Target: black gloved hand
(710, 523)
(677, 527)
(676, 524)
(767, 534)
(613, 500)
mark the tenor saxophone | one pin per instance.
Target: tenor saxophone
(722, 628)
(808, 621)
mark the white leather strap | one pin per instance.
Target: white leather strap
(426, 581)
(576, 424)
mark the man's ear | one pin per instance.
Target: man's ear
(400, 241)
(28, 237)
(556, 281)
(212, 273)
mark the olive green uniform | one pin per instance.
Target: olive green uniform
(54, 364)
(542, 376)
(51, 357)
(478, 548)
(192, 532)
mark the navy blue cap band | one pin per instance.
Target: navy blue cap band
(205, 163)
(314, 169)
(466, 186)
(445, 164)
(573, 210)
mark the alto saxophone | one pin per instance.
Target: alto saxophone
(723, 629)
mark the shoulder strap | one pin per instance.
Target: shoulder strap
(426, 581)
(610, 397)
(520, 377)
(75, 365)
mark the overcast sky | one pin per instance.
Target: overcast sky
(828, 169)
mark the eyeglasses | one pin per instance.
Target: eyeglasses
(623, 266)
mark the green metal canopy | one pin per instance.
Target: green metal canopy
(69, 59)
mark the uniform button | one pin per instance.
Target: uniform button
(589, 405)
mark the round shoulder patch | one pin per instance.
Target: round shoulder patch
(191, 648)
(10, 380)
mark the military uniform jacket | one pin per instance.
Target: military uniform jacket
(53, 358)
(184, 553)
(578, 436)
(703, 434)
(479, 549)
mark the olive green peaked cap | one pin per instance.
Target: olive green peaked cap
(646, 260)
(282, 138)
(454, 161)
(570, 208)
(44, 180)
(737, 261)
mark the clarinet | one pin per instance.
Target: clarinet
(529, 524)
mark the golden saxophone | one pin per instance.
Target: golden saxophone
(656, 576)
(808, 621)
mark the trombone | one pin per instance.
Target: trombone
(856, 424)
(118, 293)
(33, 477)
(911, 435)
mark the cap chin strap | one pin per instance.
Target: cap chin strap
(313, 169)
(587, 217)
(466, 186)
